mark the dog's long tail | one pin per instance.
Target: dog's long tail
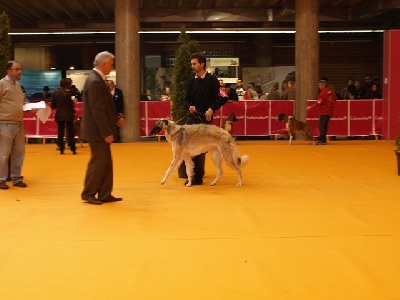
(243, 160)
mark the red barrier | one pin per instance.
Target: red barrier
(35, 128)
(256, 118)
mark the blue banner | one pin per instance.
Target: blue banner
(34, 81)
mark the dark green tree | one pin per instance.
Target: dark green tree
(5, 42)
(183, 71)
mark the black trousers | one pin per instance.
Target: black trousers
(199, 160)
(70, 134)
(323, 127)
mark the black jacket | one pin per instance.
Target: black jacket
(62, 102)
(118, 100)
(203, 94)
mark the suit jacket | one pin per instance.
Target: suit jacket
(118, 99)
(61, 100)
(99, 117)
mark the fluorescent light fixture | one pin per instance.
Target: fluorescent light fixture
(62, 33)
(221, 31)
(349, 31)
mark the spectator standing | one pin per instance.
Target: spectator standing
(75, 92)
(374, 92)
(166, 95)
(366, 87)
(99, 127)
(146, 96)
(46, 94)
(291, 90)
(274, 92)
(64, 103)
(118, 98)
(326, 102)
(231, 92)
(350, 91)
(260, 93)
(239, 89)
(12, 132)
(284, 92)
(251, 90)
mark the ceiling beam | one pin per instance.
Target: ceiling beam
(16, 13)
(100, 7)
(82, 9)
(336, 2)
(17, 5)
(61, 6)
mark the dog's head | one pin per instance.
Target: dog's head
(160, 125)
(232, 117)
(282, 117)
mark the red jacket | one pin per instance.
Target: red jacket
(326, 101)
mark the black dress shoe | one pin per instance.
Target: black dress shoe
(111, 198)
(92, 200)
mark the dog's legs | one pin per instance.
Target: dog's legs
(309, 135)
(189, 170)
(217, 160)
(290, 137)
(176, 161)
(232, 161)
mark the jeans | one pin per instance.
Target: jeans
(323, 127)
(12, 141)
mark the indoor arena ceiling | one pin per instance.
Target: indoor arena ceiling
(98, 15)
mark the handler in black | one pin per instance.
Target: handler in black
(203, 97)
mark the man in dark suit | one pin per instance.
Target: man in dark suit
(99, 127)
(118, 99)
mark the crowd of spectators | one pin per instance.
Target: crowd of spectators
(369, 90)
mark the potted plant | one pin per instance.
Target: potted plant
(5, 42)
(183, 71)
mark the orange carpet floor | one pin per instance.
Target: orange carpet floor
(310, 222)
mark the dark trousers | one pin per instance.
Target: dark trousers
(199, 160)
(323, 127)
(70, 135)
(99, 173)
(9, 168)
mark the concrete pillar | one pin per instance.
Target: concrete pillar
(127, 64)
(307, 54)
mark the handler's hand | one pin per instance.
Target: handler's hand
(192, 109)
(209, 114)
(109, 139)
(121, 122)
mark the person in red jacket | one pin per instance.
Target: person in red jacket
(326, 102)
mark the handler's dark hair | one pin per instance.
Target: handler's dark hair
(200, 58)
(65, 83)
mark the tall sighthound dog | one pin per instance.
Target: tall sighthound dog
(293, 125)
(188, 141)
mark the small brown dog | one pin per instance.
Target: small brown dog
(293, 125)
(228, 125)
